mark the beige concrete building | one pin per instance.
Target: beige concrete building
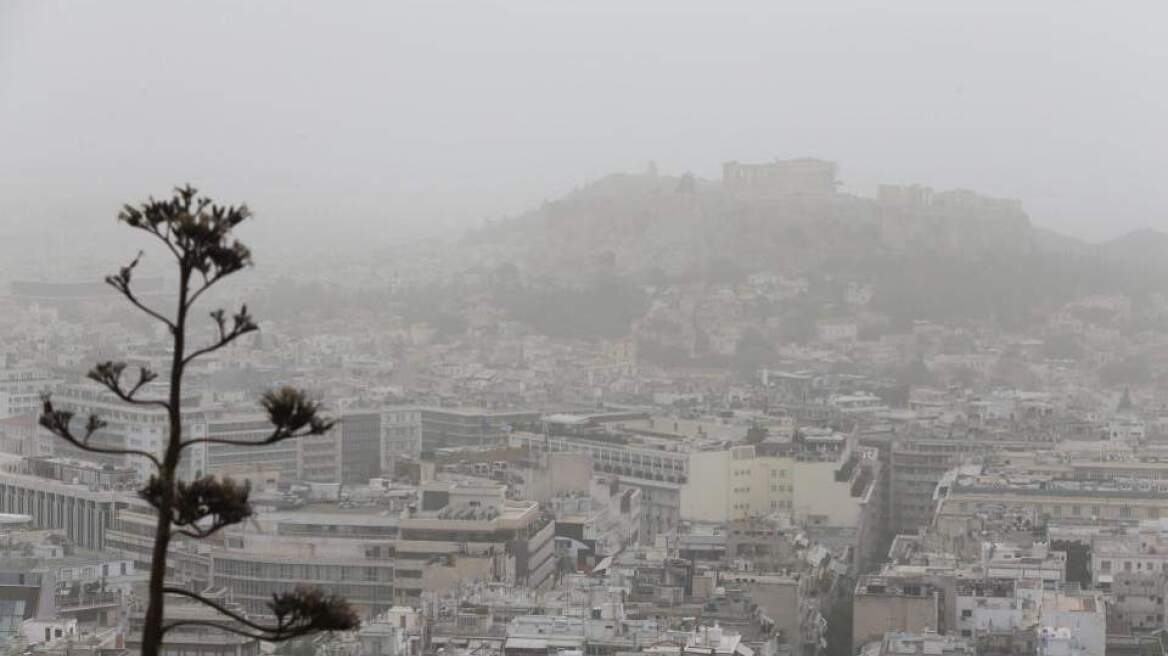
(735, 484)
(884, 603)
(1041, 497)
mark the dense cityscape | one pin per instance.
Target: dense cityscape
(587, 328)
(550, 443)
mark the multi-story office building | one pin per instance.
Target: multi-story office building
(284, 457)
(21, 390)
(350, 453)
(129, 426)
(376, 559)
(82, 512)
(401, 435)
(512, 540)
(319, 457)
(918, 461)
(201, 636)
(131, 534)
(350, 554)
(915, 466)
(456, 427)
(360, 435)
(22, 436)
(1043, 496)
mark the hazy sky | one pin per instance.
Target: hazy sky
(399, 111)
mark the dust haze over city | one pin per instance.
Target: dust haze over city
(528, 328)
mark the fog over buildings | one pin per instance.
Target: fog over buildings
(409, 112)
(566, 329)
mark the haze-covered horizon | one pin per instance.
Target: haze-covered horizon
(421, 116)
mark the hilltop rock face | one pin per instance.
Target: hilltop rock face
(680, 226)
(922, 254)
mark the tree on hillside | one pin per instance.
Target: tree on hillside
(197, 233)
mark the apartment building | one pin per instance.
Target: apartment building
(737, 483)
(915, 466)
(903, 643)
(600, 523)
(514, 540)
(659, 467)
(894, 603)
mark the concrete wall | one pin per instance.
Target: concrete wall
(735, 484)
(817, 494)
(875, 615)
(706, 497)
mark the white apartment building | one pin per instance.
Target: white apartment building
(820, 481)
(659, 467)
(734, 484)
